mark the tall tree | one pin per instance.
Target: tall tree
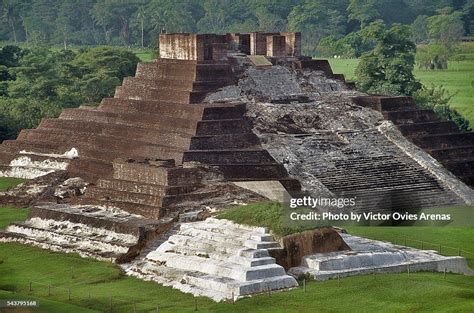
(363, 11)
(142, 15)
(446, 27)
(388, 68)
(317, 19)
(115, 16)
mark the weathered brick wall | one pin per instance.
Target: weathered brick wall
(276, 46)
(293, 43)
(179, 46)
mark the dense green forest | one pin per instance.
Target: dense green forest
(139, 22)
(39, 82)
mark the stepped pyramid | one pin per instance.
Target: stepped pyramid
(161, 148)
(152, 147)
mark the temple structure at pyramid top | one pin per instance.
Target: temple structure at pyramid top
(214, 47)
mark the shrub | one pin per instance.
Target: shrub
(437, 98)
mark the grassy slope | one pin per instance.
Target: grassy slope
(10, 214)
(458, 79)
(8, 182)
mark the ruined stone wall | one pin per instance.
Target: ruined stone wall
(293, 43)
(179, 46)
(193, 46)
(276, 46)
(267, 44)
(239, 42)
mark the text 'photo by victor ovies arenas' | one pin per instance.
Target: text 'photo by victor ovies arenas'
(236, 156)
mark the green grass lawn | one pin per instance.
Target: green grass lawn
(11, 214)
(145, 55)
(8, 182)
(428, 292)
(458, 79)
(93, 285)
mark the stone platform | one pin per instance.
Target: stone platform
(368, 256)
(217, 259)
(104, 233)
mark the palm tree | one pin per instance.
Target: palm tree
(141, 14)
(8, 12)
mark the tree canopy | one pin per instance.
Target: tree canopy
(139, 22)
(37, 83)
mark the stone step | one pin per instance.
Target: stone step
(397, 103)
(362, 186)
(428, 128)
(160, 70)
(140, 92)
(217, 226)
(215, 267)
(209, 246)
(221, 127)
(383, 103)
(97, 140)
(227, 224)
(465, 167)
(139, 133)
(23, 172)
(176, 84)
(183, 71)
(90, 169)
(121, 196)
(94, 216)
(172, 109)
(454, 153)
(391, 177)
(252, 171)
(411, 116)
(228, 235)
(176, 278)
(217, 142)
(140, 198)
(217, 287)
(88, 150)
(84, 252)
(316, 65)
(442, 141)
(156, 121)
(147, 211)
(164, 176)
(224, 111)
(234, 156)
(341, 260)
(143, 188)
(71, 243)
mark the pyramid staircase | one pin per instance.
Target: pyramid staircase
(440, 138)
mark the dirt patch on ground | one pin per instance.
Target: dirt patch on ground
(306, 243)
